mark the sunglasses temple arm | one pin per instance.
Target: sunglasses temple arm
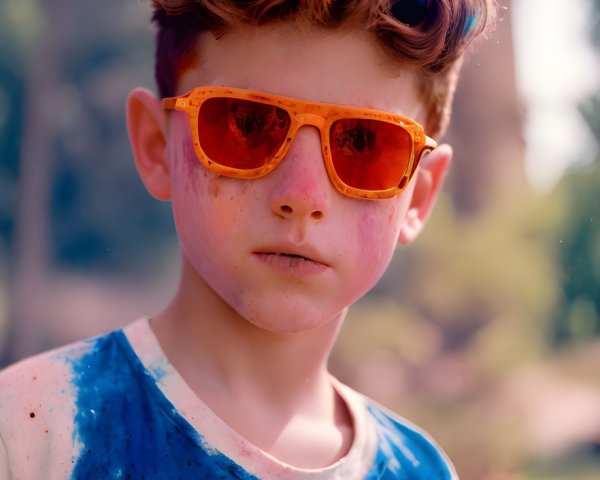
(169, 103)
(430, 146)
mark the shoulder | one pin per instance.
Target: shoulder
(44, 382)
(402, 449)
(411, 447)
(37, 408)
(33, 382)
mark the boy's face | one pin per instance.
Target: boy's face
(287, 251)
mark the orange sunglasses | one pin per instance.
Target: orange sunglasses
(245, 134)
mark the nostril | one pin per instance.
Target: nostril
(289, 210)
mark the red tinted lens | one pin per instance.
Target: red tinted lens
(370, 154)
(241, 134)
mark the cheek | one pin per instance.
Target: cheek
(377, 232)
(195, 198)
(211, 214)
(375, 239)
(188, 154)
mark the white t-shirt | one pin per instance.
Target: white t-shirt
(114, 407)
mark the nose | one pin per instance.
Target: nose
(301, 188)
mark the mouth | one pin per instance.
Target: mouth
(290, 255)
(289, 262)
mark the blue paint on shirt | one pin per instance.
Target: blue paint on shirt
(404, 452)
(128, 429)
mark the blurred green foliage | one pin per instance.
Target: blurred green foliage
(100, 215)
(578, 314)
(580, 464)
(18, 20)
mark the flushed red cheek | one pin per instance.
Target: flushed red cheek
(376, 238)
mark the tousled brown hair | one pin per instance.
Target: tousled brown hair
(429, 35)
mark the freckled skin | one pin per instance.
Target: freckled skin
(230, 218)
(222, 221)
(214, 188)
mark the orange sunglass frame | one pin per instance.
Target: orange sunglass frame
(301, 112)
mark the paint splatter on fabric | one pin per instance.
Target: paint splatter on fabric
(402, 453)
(114, 407)
(128, 428)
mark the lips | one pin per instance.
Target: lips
(291, 255)
(293, 262)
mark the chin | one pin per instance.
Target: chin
(291, 320)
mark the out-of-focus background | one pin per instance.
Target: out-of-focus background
(486, 331)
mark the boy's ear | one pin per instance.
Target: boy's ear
(147, 127)
(430, 177)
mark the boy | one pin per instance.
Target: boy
(286, 140)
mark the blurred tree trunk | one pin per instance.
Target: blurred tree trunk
(26, 312)
(486, 126)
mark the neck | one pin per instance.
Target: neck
(222, 355)
(235, 367)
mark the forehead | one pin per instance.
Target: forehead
(336, 66)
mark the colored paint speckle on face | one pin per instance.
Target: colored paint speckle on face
(128, 429)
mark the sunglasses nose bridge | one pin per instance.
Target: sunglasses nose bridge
(313, 120)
